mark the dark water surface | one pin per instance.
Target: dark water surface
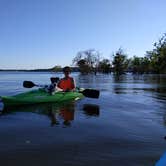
(124, 127)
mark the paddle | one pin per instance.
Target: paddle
(29, 84)
(91, 93)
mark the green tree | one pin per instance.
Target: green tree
(87, 60)
(56, 68)
(104, 66)
(135, 64)
(83, 66)
(139, 65)
(120, 62)
(157, 56)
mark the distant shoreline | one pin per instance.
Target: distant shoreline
(74, 69)
(25, 70)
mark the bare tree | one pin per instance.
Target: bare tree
(87, 60)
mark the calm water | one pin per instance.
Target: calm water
(126, 126)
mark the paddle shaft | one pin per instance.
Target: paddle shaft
(91, 93)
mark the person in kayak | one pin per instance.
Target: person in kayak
(67, 83)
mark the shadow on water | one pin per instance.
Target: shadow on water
(58, 114)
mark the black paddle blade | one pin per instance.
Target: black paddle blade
(28, 84)
(91, 93)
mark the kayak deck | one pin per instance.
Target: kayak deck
(40, 96)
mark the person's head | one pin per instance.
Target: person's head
(54, 79)
(66, 71)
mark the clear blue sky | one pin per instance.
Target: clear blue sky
(45, 33)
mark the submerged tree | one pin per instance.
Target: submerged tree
(139, 65)
(157, 56)
(104, 66)
(120, 62)
(87, 60)
(83, 66)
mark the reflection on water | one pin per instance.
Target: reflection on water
(127, 124)
(152, 84)
(58, 114)
(91, 109)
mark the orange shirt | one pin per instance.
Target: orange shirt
(66, 83)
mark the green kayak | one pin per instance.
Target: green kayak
(40, 96)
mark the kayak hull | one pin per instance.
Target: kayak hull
(40, 96)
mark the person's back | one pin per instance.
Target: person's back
(67, 83)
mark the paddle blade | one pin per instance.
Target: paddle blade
(28, 84)
(91, 93)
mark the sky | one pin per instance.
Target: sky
(44, 33)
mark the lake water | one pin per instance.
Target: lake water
(126, 126)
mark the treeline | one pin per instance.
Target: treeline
(89, 61)
(153, 62)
